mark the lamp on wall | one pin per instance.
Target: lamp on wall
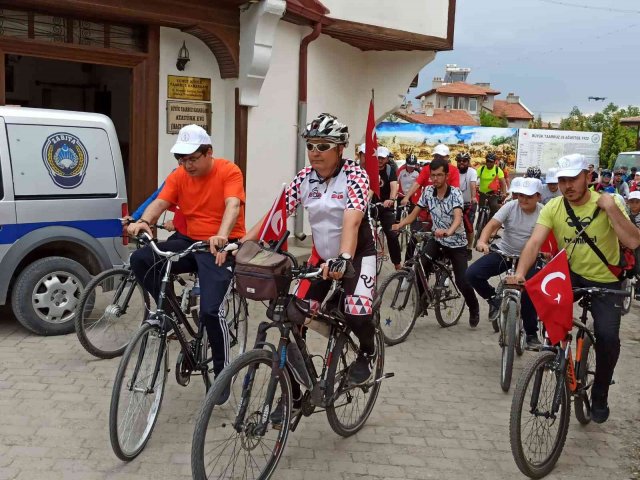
(183, 57)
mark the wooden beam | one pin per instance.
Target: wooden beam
(3, 73)
(242, 125)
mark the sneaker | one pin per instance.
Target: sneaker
(474, 319)
(278, 412)
(533, 342)
(360, 369)
(599, 408)
(494, 307)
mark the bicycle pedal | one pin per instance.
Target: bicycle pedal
(385, 376)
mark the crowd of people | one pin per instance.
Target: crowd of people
(336, 195)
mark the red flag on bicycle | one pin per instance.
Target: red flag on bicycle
(275, 223)
(371, 147)
(552, 296)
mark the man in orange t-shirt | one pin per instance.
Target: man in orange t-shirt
(210, 194)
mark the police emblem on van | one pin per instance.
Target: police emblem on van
(66, 159)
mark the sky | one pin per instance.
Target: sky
(553, 53)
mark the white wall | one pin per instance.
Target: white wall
(203, 64)
(425, 17)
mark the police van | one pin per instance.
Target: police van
(62, 192)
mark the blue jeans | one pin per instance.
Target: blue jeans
(480, 271)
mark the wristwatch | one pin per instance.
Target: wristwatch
(344, 256)
(144, 221)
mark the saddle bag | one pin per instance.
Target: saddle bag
(261, 273)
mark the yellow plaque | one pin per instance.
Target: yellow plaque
(180, 114)
(189, 88)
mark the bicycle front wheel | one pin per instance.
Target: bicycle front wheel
(111, 309)
(237, 314)
(536, 433)
(626, 301)
(509, 339)
(351, 405)
(397, 303)
(585, 374)
(449, 303)
(480, 223)
(379, 252)
(137, 392)
(238, 440)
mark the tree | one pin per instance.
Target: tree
(536, 123)
(487, 119)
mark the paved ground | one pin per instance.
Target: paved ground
(442, 416)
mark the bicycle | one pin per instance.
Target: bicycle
(241, 436)
(404, 234)
(142, 373)
(484, 215)
(541, 398)
(114, 304)
(378, 236)
(629, 284)
(512, 336)
(407, 294)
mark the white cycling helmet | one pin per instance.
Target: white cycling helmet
(327, 127)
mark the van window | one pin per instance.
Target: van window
(57, 160)
(628, 160)
(1, 185)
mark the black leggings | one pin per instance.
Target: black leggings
(387, 218)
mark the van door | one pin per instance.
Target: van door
(8, 230)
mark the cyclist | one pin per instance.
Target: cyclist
(407, 175)
(209, 191)
(604, 184)
(361, 155)
(388, 195)
(334, 191)
(605, 231)
(491, 183)
(550, 188)
(620, 185)
(441, 151)
(518, 218)
(468, 187)
(593, 175)
(445, 205)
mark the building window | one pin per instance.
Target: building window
(450, 101)
(473, 105)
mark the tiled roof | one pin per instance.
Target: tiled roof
(635, 121)
(511, 111)
(441, 117)
(461, 88)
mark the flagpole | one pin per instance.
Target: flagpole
(274, 207)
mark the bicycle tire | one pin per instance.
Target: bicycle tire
(379, 252)
(157, 359)
(585, 374)
(531, 372)
(112, 317)
(337, 375)
(391, 335)
(237, 323)
(508, 344)
(446, 291)
(226, 379)
(521, 341)
(480, 224)
(627, 285)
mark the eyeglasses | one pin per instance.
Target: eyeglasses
(183, 159)
(321, 147)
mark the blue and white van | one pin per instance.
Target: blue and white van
(62, 192)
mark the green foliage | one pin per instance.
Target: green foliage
(537, 123)
(489, 120)
(615, 137)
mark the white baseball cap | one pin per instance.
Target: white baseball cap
(527, 186)
(515, 184)
(552, 176)
(383, 152)
(634, 195)
(362, 148)
(572, 165)
(189, 140)
(441, 149)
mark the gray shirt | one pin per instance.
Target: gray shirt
(518, 227)
(547, 194)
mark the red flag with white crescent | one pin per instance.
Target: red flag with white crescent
(371, 146)
(552, 296)
(275, 223)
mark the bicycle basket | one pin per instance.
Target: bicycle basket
(261, 274)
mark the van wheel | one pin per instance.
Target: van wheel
(47, 293)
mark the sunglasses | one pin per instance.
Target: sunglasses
(321, 147)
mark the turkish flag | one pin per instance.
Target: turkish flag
(371, 147)
(275, 223)
(551, 293)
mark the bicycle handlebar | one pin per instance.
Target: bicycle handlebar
(601, 291)
(510, 256)
(202, 246)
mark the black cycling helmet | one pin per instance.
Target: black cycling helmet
(491, 157)
(463, 156)
(533, 172)
(412, 160)
(606, 173)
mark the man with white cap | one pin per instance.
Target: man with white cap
(361, 154)
(388, 194)
(518, 218)
(600, 223)
(210, 193)
(550, 188)
(441, 151)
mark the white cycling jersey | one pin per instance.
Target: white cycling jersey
(326, 201)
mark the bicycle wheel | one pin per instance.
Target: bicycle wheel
(228, 442)
(627, 285)
(237, 313)
(449, 302)
(379, 251)
(397, 302)
(480, 223)
(585, 375)
(351, 405)
(521, 341)
(136, 398)
(536, 434)
(111, 309)
(509, 339)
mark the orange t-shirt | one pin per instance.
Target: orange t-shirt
(201, 199)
